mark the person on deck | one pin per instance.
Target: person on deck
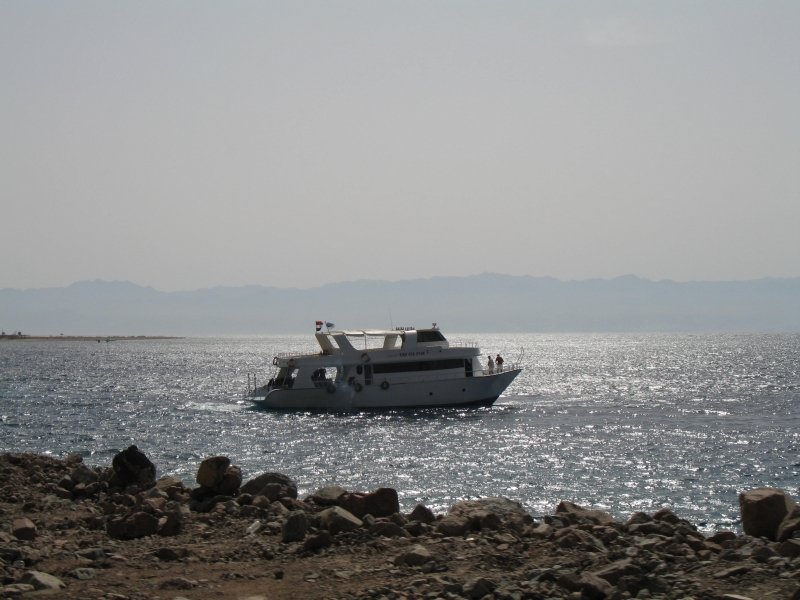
(499, 362)
(490, 365)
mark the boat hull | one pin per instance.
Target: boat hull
(467, 391)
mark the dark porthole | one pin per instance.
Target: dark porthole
(430, 393)
(463, 389)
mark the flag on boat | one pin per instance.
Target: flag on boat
(329, 325)
(319, 326)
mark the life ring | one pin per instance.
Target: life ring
(357, 386)
(365, 358)
(385, 385)
(292, 363)
(275, 361)
(331, 387)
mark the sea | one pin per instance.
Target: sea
(618, 422)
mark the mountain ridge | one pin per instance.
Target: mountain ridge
(486, 302)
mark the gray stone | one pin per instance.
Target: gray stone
(83, 474)
(416, 556)
(23, 529)
(91, 553)
(42, 581)
(83, 573)
(328, 495)
(255, 485)
(338, 520)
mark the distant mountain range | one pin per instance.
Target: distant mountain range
(479, 304)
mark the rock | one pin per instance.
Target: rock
(763, 510)
(230, 482)
(137, 525)
(132, 467)
(11, 555)
(478, 588)
(731, 555)
(62, 493)
(322, 539)
(453, 526)
(416, 556)
(666, 514)
(658, 527)
(721, 536)
(790, 548)
(15, 589)
(255, 485)
(328, 496)
(177, 583)
(423, 514)
(168, 482)
(261, 502)
(170, 524)
(542, 531)
(295, 527)
(338, 520)
(212, 470)
(735, 597)
(383, 502)
(83, 474)
(613, 572)
(42, 581)
(569, 537)
(388, 529)
(596, 516)
(23, 529)
(83, 573)
(476, 510)
(789, 525)
(740, 570)
(170, 554)
(273, 491)
(91, 553)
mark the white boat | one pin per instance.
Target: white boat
(401, 368)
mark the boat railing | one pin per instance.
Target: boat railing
(467, 344)
(507, 366)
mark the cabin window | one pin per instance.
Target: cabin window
(427, 365)
(429, 336)
(359, 369)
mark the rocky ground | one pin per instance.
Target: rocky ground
(118, 533)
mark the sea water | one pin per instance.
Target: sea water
(618, 422)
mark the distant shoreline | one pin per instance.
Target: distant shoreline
(84, 338)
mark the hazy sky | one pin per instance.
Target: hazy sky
(193, 144)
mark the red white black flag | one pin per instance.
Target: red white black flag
(319, 326)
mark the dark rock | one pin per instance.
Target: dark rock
(741, 570)
(666, 514)
(478, 588)
(273, 491)
(132, 467)
(387, 529)
(295, 527)
(657, 527)
(255, 485)
(24, 529)
(638, 518)
(178, 583)
(231, 480)
(328, 495)
(731, 555)
(170, 524)
(10, 555)
(569, 537)
(423, 514)
(383, 502)
(721, 536)
(789, 525)
(170, 554)
(321, 539)
(763, 510)
(789, 548)
(137, 525)
(212, 470)
(83, 474)
(505, 509)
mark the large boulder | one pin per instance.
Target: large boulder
(453, 526)
(231, 480)
(598, 517)
(383, 502)
(763, 510)
(212, 470)
(132, 467)
(423, 514)
(83, 474)
(338, 520)
(256, 485)
(789, 525)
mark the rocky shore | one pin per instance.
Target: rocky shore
(120, 533)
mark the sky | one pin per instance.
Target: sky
(191, 144)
